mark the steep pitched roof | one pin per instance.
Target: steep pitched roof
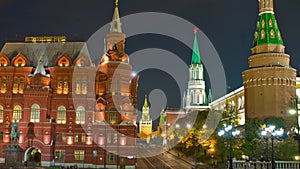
(49, 51)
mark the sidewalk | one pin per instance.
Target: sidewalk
(189, 160)
(182, 156)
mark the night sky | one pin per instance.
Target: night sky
(229, 24)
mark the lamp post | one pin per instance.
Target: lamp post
(295, 111)
(271, 132)
(227, 132)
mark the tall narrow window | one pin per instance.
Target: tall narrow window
(110, 87)
(35, 113)
(21, 87)
(112, 117)
(59, 87)
(116, 83)
(80, 115)
(66, 86)
(77, 91)
(84, 87)
(3, 85)
(83, 138)
(193, 97)
(61, 115)
(17, 113)
(15, 86)
(1, 114)
(75, 138)
(64, 137)
(197, 74)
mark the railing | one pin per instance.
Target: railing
(266, 165)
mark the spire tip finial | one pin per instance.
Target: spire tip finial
(117, 3)
(196, 30)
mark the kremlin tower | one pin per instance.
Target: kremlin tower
(269, 82)
(195, 97)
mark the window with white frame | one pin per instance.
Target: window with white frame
(61, 115)
(17, 113)
(80, 115)
(35, 113)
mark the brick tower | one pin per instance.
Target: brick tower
(269, 82)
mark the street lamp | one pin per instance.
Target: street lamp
(271, 132)
(295, 111)
(227, 132)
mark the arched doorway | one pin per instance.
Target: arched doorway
(32, 157)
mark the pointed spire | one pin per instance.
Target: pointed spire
(146, 102)
(40, 68)
(162, 117)
(196, 54)
(210, 96)
(116, 25)
(267, 30)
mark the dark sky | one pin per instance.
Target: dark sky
(229, 24)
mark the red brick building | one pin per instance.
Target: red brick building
(82, 114)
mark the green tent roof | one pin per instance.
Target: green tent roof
(196, 59)
(267, 31)
(162, 117)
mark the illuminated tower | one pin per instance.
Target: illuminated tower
(146, 121)
(195, 97)
(269, 82)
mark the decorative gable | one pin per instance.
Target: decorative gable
(63, 61)
(20, 60)
(4, 61)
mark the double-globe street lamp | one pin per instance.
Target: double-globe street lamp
(271, 132)
(228, 133)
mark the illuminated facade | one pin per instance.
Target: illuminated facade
(75, 112)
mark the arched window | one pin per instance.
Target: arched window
(272, 33)
(270, 23)
(239, 103)
(35, 113)
(21, 87)
(61, 115)
(17, 113)
(197, 74)
(3, 85)
(78, 87)
(1, 113)
(66, 86)
(80, 115)
(84, 87)
(232, 106)
(15, 86)
(59, 87)
(197, 97)
(262, 36)
(243, 102)
(193, 97)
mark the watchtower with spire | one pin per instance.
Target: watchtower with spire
(269, 82)
(146, 121)
(195, 96)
